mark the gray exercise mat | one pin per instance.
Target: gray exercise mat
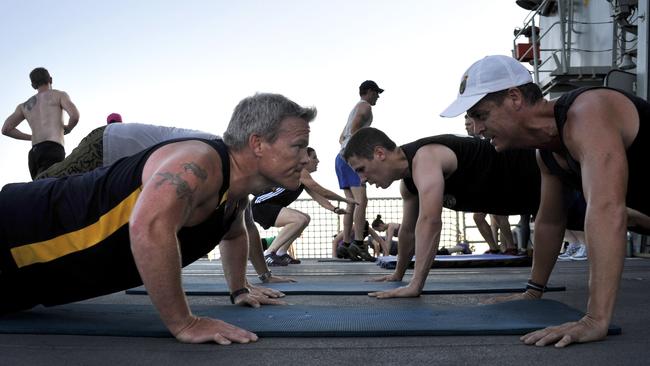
(516, 317)
(361, 288)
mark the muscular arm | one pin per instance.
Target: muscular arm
(9, 128)
(406, 237)
(255, 252)
(431, 184)
(234, 252)
(550, 224)
(597, 126)
(170, 194)
(71, 110)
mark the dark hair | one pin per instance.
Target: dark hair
(364, 141)
(39, 76)
(531, 92)
(310, 151)
(377, 222)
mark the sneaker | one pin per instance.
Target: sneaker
(291, 259)
(356, 251)
(342, 252)
(581, 254)
(511, 251)
(570, 251)
(465, 247)
(273, 260)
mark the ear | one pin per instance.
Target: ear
(255, 144)
(516, 98)
(379, 153)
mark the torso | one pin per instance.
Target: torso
(484, 180)
(347, 131)
(568, 169)
(44, 115)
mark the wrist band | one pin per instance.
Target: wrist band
(264, 277)
(530, 285)
(234, 294)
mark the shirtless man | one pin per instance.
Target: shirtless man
(44, 114)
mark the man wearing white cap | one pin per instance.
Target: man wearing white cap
(590, 139)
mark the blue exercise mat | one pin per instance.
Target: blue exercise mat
(465, 261)
(361, 288)
(516, 317)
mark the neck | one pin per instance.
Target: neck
(401, 164)
(541, 127)
(244, 177)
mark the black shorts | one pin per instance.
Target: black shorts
(43, 155)
(265, 214)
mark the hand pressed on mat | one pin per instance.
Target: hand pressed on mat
(527, 295)
(202, 330)
(586, 329)
(388, 278)
(404, 291)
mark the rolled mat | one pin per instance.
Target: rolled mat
(361, 288)
(515, 317)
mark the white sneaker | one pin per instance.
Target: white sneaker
(570, 250)
(581, 254)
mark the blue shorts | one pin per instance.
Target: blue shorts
(347, 177)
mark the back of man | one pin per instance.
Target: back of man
(44, 114)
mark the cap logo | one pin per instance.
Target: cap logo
(463, 83)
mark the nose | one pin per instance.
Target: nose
(479, 127)
(304, 157)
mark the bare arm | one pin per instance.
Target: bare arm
(594, 136)
(362, 114)
(71, 110)
(311, 186)
(390, 230)
(9, 128)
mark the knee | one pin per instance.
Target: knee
(304, 220)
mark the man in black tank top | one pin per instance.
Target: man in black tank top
(139, 220)
(592, 139)
(458, 172)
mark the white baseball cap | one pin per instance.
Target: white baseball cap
(488, 75)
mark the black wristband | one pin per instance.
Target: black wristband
(535, 286)
(234, 294)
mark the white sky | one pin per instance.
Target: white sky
(187, 63)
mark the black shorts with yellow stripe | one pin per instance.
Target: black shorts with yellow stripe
(67, 239)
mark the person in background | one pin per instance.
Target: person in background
(353, 222)
(113, 118)
(270, 209)
(44, 114)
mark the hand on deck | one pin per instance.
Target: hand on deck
(202, 330)
(279, 279)
(260, 296)
(388, 278)
(586, 329)
(264, 291)
(404, 291)
(527, 295)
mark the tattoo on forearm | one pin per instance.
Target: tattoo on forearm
(196, 170)
(29, 104)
